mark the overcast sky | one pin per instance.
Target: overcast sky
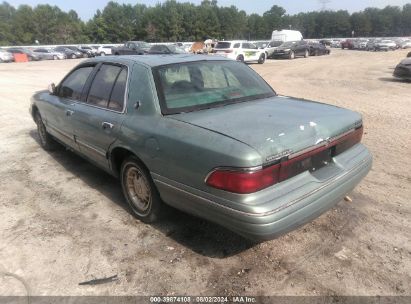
(86, 9)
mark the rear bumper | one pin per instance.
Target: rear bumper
(278, 209)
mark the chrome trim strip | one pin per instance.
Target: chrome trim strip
(90, 147)
(295, 201)
(324, 143)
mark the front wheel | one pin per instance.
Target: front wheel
(307, 53)
(292, 55)
(261, 60)
(55, 57)
(46, 141)
(140, 191)
(240, 58)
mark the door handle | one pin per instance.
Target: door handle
(69, 112)
(106, 125)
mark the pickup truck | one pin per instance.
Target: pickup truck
(131, 48)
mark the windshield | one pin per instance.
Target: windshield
(200, 85)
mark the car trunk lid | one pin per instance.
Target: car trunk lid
(275, 126)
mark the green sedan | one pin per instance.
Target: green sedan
(206, 135)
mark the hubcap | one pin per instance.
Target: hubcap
(138, 190)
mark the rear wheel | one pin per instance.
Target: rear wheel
(261, 60)
(46, 141)
(307, 53)
(73, 56)
(240, 58)
(140, 191)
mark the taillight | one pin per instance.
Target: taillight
(244, 181)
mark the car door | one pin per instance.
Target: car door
(301, 48)
(249, 52)
(97, 121)
(60, 107)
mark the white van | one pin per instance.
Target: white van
(286, 35)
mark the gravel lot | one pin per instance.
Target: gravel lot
(64, 221)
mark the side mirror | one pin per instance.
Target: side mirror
(52, 89)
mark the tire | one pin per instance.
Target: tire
(102, 54)
(46, 140)
(261, 60)
(55, 57)
(73, 56)
(240, 58)
(291, 55)
(307, 54)
(140, 192)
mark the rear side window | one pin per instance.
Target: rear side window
(236, 46)
(116, 101)
(73, 85)
(102, 85)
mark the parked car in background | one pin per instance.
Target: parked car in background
(406, 44)
(84, 53)
(104, 50)
(385, 45)
(360, 44)
(409, 54)
(336, 43)
(30, 55)
(292, 49)
(92, 51)
(317, 49)
(403, 69)
(132, 48)
(157, 140)
(46, 54)
(371, 44)
(6, 56)
(269, 47)
(347, 44)
(69, 53)
(243, 51)
(165, 49)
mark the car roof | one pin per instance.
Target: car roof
(158, 60)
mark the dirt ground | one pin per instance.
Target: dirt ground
(64, 221)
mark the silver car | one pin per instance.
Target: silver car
(6, 56)
(46, 54)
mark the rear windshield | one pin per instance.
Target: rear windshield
(223, 45)
(193, 86)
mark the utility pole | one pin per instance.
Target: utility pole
(324, 4)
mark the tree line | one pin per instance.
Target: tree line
(177, 21)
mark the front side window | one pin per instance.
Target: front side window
(204, 84)
(73, 85)
(102, 86)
